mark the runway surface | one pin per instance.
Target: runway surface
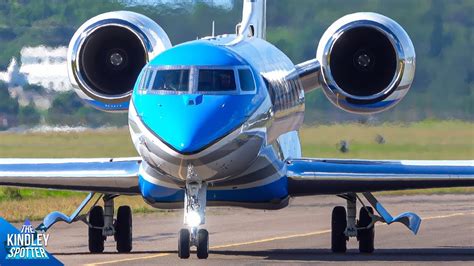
(298, 234)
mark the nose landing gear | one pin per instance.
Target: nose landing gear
(194, 216)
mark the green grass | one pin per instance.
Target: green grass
(88, 144)
(423, 140)
(9, 193)
(38, 208)
(430, 191)
(428, 140)
(94, 143)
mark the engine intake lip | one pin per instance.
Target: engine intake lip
(328, 74)
(368, 100)
(116, 44)
(77, 49)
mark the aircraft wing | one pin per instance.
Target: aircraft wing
(107, 175)
(338, 176)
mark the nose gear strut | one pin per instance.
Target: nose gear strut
(194, 216)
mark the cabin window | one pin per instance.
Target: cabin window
(247, 82)
(171, 80)
(216, 80)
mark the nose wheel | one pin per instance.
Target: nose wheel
(194, 217)
(203, 244)
(184, 243)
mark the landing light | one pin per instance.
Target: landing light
(193, 219)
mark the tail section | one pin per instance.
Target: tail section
(254, 15)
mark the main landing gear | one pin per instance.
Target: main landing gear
(102, 224)
(194, 216)
(344, 225)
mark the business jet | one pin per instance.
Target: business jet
(215, 123)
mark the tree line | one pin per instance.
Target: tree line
(66, 109)
(442, 32)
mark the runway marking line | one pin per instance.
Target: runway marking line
(447, 215)
(129, 259)
(271, 239)
(265, 240)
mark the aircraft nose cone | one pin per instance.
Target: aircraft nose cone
(190, 123)
(194, 125)
(188, 141)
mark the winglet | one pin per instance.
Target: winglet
(56, 216)
(411, 220)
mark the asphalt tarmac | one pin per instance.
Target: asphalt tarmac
(298, 234)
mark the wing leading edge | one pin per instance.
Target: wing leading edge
(305, 176)
(115, 176)
(338, 176)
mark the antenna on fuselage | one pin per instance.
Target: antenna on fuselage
(213, 29)
(254, 19)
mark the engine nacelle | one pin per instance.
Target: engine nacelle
(107, 53)
(367, 63)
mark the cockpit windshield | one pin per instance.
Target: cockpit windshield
(213, 80)
(206, 80)
(171, 80)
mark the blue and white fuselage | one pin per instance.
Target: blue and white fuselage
(213, 133)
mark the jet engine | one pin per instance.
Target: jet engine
(367, 63)
(107, 53)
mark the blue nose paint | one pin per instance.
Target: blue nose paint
(189, 123)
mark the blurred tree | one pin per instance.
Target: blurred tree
(34, 88)
(8, 105)
(67, 109)
(29, 115)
